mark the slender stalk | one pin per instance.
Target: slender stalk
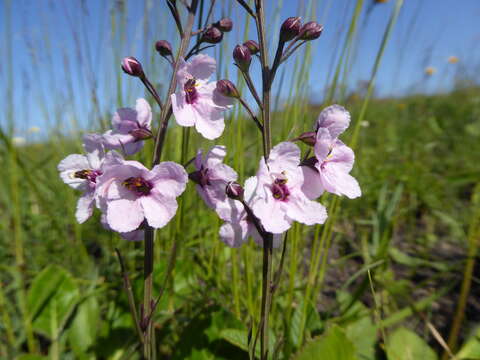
(247, 8)
(131, 299)
(252, 89)
(252, 115)
(267, 145)
(152, 91)
(149, 304)
(473, 242)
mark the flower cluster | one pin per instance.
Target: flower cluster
(284, 188)
(126, 192)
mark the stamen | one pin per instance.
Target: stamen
(191, 94)
(138, 185)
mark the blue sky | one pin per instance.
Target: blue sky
(63, 70)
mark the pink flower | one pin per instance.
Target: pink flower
(197, 103)
(130, 128)
(335, 119)
(212, 176)
(81, 172)
(329, 169)
(239, 226)
(129, 193)
(279, 196)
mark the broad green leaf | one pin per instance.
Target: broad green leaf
(363, 335)
(471, 349)
(239, 339)
(404, 344)
(83, 331)
(334, 345)
(52, 298)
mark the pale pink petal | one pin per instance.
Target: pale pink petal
(215, 156)
(271, 215)
(85, 207)
(199, 159)
(94, 147)
(312, 185)
(209, 121)
(284, 157)
(184, 113)
(158, 209)
(342, 156)
(336, 181)
(144, 113)
(223, 172)
(335, 119)
(250, 187)
(306, 211)
(124, 120)
(124, 215)
(234, 234)
(135, 235)
(201, 66)
(323, 144)
(71, 164)
(169, 178)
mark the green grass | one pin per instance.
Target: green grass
(387, 268)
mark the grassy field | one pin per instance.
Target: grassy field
(391, 275)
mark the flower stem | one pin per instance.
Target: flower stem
(267, 144)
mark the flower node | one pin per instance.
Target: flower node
(191, 94)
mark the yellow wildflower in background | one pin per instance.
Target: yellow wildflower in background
(453, 59)
(430, 70)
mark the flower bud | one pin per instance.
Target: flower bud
(141, 134)
(212, 35)
(253, 46)
(224, 25)
(308, 138)
(164, 48)
(227, 88)
(132, 66)
(311, 31)
(234, 190)
(243, 57)
(290, 28)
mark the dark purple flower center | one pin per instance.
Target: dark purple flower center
(280, 190)
(88, 174)
(191, 93)
(200, 177)
(138, 185)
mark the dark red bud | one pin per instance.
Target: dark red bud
(242, 57)
(224, 25)
(141, 134)
(311, 31)
(290, 28)
(212, 35)
(253, 46)
(227, 88)
(132, 66)
(308, 138)
(234, 190)
(164, 48)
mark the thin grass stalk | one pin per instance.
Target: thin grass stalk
(473, 242)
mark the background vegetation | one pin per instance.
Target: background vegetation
(391, 275)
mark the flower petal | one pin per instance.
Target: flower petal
(144, 113)
(336, 181)
(68, 167)
(271, 215)
(306, 211)
(201, 66)
(234, 234)
(158, 209)
(335, 119)
(184, 113)
(85, 207)
(169, 178)
(215, 156)
(124, 215)
(209, 121)
(312, 184)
